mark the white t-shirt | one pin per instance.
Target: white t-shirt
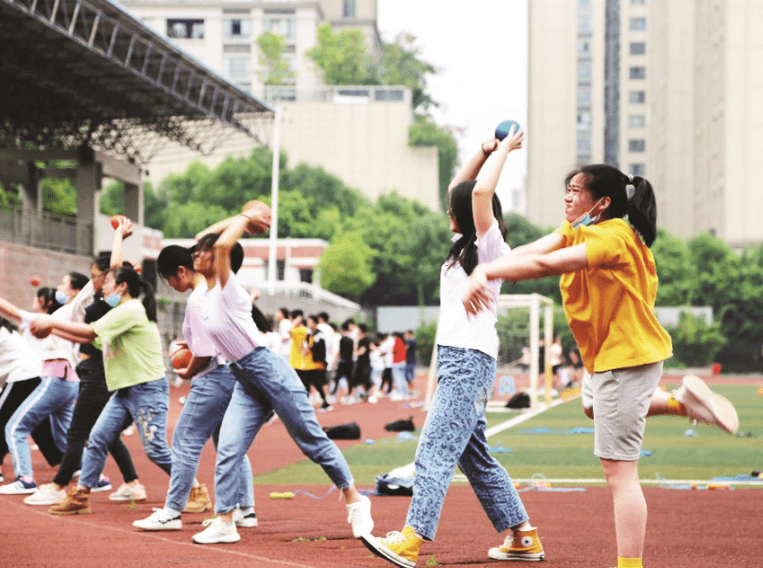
(194, 329)
(18, 361)
(456, 327)
(284, 327)
(228, 319)
(54, 347)
(386, 347)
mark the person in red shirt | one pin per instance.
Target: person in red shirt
(398, 369)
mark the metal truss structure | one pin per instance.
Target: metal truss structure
(77, 73)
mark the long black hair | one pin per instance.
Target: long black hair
(171, 258)
(606, 181)
(7, 325)
(48, 297)
(136, 286)
(464, 250)
(236, 253)
(77, 280)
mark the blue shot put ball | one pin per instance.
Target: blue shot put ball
(503, 129)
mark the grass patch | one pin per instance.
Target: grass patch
(675, 456)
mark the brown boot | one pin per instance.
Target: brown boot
(75, 503)
(199, 500)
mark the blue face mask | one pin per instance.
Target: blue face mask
(61, 297)
(586, 219)
(113, 299)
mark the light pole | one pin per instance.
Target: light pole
(272, 256)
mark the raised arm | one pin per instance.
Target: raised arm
(482, 196)
(254, 218)
(123, 230)
(545, 244)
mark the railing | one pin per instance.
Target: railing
(336, 94)
(46, 230)
(306, 290)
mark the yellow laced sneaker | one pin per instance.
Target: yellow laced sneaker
(522, 545)
(400, 548)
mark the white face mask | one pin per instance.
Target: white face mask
(586, 219)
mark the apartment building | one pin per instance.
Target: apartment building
(665, 89)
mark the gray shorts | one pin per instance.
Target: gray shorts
(620, 403)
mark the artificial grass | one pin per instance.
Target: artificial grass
(711, 453)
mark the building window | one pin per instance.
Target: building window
(637, 97)
(238, 68)
(237, 28)
(185, 29)
(637, 121)
(584, 95)
(348, 8)
(637, 145)
(584, 145)
(283, 26)
(306, 275)
(638, 72)
(638, 48)
(584, 120)
(280, 270)
(637, 24)
(584, 72)
(637, 169)
(638, 2)
(584, 47)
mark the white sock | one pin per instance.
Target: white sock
(172, 513)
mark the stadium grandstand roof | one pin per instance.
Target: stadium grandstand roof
(80, 73)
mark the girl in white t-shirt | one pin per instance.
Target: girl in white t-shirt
(467, 347)
(265, 382)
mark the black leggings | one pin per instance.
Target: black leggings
(11, 397)
(93, 396)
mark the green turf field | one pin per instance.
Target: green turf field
(710, 454)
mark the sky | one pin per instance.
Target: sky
(480, 50)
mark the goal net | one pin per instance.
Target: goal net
(525, 321)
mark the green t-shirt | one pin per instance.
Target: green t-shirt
(132, 347)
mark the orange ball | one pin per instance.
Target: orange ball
(35, 280)
(181, 358)
(115, 220)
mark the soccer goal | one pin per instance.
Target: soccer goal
(519, 326)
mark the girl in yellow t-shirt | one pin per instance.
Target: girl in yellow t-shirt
(609, 285)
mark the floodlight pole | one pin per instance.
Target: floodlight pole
(272, 255)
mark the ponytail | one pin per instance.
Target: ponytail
(603, 180)
(137, 287)
(642, 210)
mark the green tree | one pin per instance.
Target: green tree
(424, 132)
(274, 68)
(59, 196)
(10, 195)
(694, 342)
(343, 57)
(674, 270)
(401, 65)
(345, 266)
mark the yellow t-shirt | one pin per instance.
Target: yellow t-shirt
(298, 336)
(609, 305)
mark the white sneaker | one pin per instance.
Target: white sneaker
(129, 493)
(244, 521)
(703, 405)
(159, 521)
(359, 516)
(217, 532)
(46, 495)
(18, 487)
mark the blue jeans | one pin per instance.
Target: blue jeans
(200, 419)
(410, 372)
(398, 377)
(53, 398)
(454, 433)
(147, 405)
(264, 382)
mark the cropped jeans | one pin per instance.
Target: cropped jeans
(146, 404)
(200, 419)
(454, 434)
(53, 398)
(266, 382)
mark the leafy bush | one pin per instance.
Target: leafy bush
(694, 342)
(425, 337)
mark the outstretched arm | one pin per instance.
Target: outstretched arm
(10, 311)
(77, 332)
(479, 296)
